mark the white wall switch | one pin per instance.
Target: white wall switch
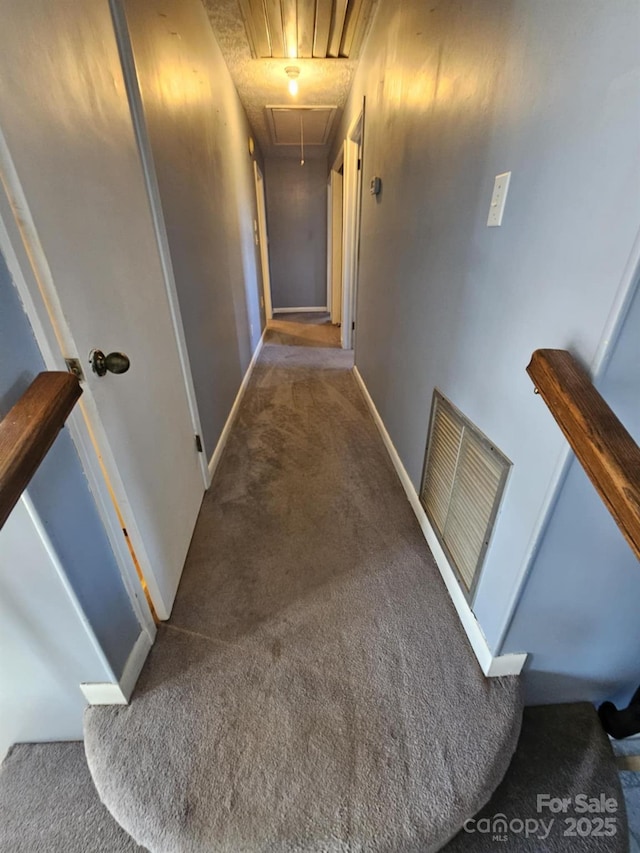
(498, 199)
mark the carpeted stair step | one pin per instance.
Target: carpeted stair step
(48, 803)
(564, 753)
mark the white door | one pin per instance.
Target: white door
(264, 241)
(72, 170)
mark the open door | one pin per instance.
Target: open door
(264, 241)
(79, 223)
(352, 191)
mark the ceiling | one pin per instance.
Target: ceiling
(260, 38)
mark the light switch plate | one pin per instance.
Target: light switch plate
(498, 199)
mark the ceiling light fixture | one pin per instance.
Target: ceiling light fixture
(292, 72)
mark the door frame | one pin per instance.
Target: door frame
(263, 239)
(334, 239)
(329, 299)
(30, 272)
(352, 195)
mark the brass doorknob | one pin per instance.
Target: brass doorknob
(115, 362)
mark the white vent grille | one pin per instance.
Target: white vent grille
(463, 482)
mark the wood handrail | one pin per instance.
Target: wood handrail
(29, 430)
(602, 445)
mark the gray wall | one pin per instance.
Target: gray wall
(61, 496)
(297, 225)
(579, 615)
(456, 94)
(199, 138)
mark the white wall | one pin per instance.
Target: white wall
(457, 93)
(46, 647)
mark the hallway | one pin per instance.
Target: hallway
(313, 682)
(313, 689)
(277, 585)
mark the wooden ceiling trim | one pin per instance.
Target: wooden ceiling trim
(354, 10)
(306, 27)
(324, 9)
(337, 26)
(290, 22)
(252, 36)
(273, 10)
(253, 14)
(361, 28)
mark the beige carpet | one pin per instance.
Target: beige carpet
(314, 690)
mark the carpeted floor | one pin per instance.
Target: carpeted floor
(48, 804)
(313, 690)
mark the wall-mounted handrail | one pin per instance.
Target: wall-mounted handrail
(28, 431)
(602, 445)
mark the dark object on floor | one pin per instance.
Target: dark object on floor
(562, 754)
(48, 804)
(624, 722)
(631, 787)
(301, 696)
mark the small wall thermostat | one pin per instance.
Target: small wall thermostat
(375, 186)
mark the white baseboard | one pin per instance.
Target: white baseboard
(119, 693)
(316, 309)
(224, 435)
(510, 664)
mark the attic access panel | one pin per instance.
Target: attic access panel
(285, 124)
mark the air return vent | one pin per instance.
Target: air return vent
(464, 478)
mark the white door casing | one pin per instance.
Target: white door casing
(329, 248)
(351, 229)
(264, 241)
(335, 259)
(74, 180)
